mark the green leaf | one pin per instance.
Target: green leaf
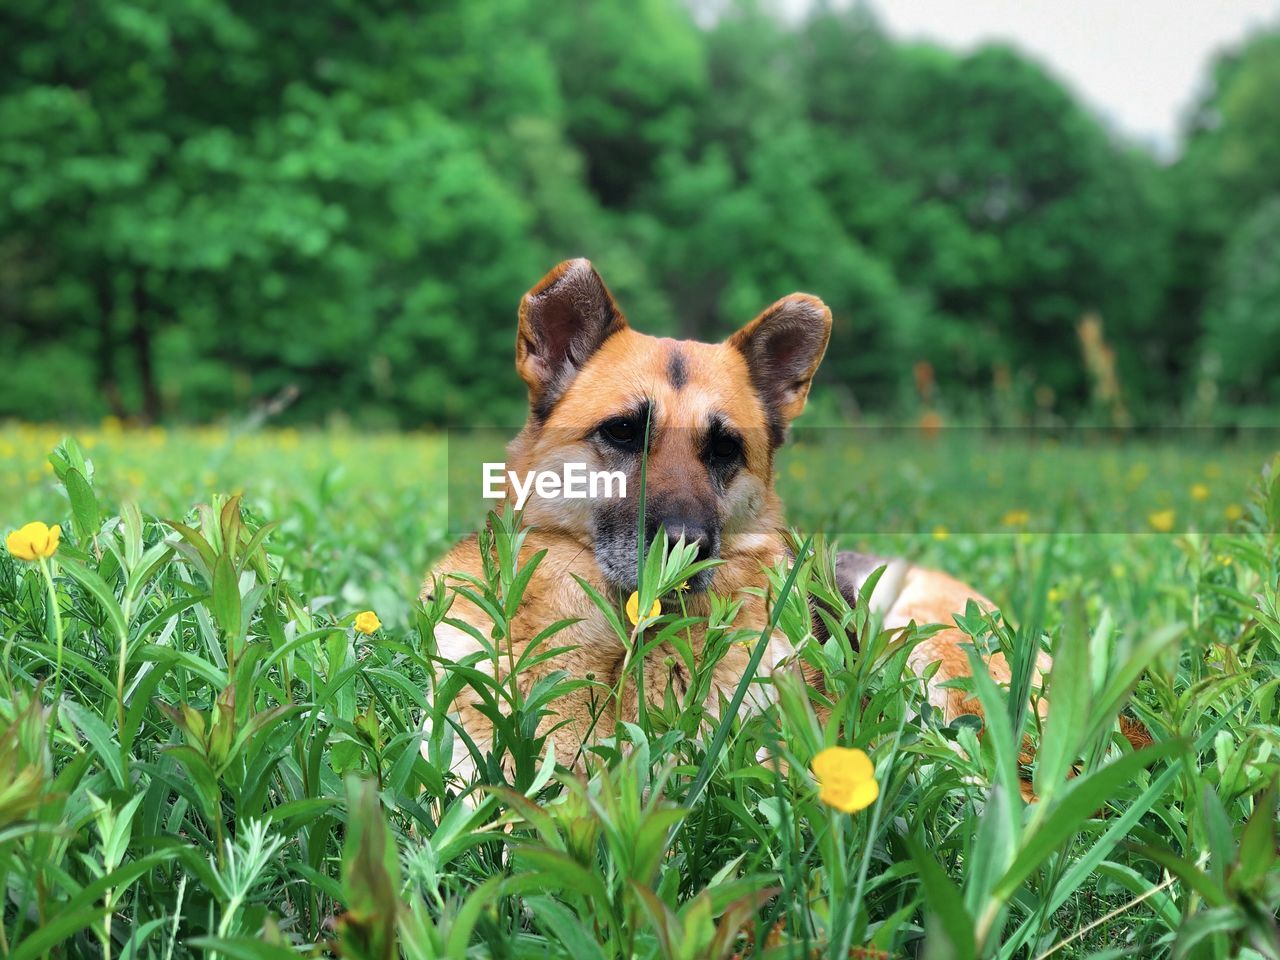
(993, 848)
(1217, 829)
(558, 922)
(1108, 703)
(370, 876)
(465, 921)
(100, 738)
(149, 564)
(945, 905)
(243, 948)
(1141, 886)
(204, 553)
(730, 714)
(999, 736)
(85, 907)
(1121, 826)
(1069, 693)
(1076, 806)
(84, 505)
(200, 773)
(101, 592)
(226, 596)
(1201, 926)
(1258, 843)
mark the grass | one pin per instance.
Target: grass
(200, 755)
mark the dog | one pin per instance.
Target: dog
(715, 415)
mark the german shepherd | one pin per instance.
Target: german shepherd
(715, 415)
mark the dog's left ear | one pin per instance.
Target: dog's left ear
(783, 347)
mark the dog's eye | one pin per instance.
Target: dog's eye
(724, 449)
(621, 432)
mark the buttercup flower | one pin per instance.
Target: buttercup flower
(1233, 512)
(1162, 521)
(35, 541)
(1017, 518)
(1199, 492)
(633, 608)
(846, 779)
(367, 622)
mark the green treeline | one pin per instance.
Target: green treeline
(205, 204)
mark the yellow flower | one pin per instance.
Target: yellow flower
(1055, 595)
(940, 532)
(367, 622)
(35, 541)
(1199, 492)
(1233, 512)
(846, 779)
(1162, 521)
(633, 609)
(1017, 518)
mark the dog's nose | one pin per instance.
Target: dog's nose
(691, 531)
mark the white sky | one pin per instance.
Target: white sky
(1137, 63)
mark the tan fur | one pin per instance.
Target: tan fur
(554, 595)
(628, 366)
(928, 596)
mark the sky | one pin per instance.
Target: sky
(1138, 63)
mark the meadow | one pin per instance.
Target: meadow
(201, 753)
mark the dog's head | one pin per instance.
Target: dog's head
(713, 413)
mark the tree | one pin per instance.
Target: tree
(204, 204)
(1228, 172)
(252, 191)
(996, 199)
(1242, 335)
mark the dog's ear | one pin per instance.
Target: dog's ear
(783, 347)
(563, 321)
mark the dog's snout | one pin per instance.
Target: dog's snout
(692, 531)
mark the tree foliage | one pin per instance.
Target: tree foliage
(208, 203)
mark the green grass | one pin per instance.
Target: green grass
(199, 754)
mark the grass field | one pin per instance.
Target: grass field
(201, 755)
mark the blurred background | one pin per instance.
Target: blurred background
(325, 213)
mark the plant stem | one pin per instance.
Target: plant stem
(120, 672)
(45, 568)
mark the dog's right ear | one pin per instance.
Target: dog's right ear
(563, 321)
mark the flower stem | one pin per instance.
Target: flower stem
(45, 568)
